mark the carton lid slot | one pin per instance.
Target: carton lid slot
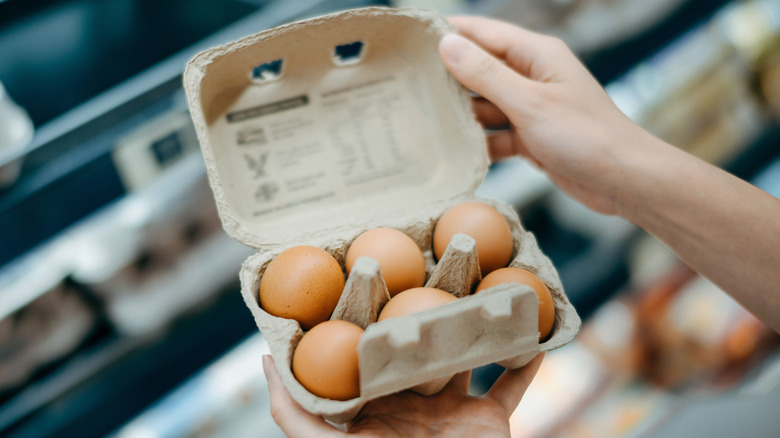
(267, 72)
(348, 54)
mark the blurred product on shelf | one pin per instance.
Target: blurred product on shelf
(685, 333)
(163, 286)
(696, 94)
(16, 131)
(696, 335)
(154, 147)
(37, 333)
(754, 29)
(152, 256)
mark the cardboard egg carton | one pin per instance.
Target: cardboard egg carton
(317, 131)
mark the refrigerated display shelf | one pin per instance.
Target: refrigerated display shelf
(105, 385)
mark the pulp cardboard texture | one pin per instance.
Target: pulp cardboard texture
(327, 147)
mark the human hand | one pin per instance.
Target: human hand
(562, 120)
(559, 116)
(452, 412)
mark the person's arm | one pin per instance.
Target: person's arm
(723, 227)
(562, 120)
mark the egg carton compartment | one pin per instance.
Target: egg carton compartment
(422, 351)
(305, 145)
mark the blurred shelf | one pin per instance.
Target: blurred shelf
(104, 386)
(69, 166)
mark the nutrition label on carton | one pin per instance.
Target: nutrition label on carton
(362, 125)
(340, 142)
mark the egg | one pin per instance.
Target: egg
(303, 283)
(522, 276)
(400, 259)
(415, 300)
(325, 361)
(483, 223)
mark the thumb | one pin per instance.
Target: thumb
(482, 73)
(510, 387)
(289, 415)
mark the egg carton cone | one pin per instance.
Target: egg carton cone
(317, 131)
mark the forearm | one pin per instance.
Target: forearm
(721, 226)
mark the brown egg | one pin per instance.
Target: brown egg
(415, 300)
(521, 276)
(482, 222)
(325, 361)
(400, 259)
(303, 283)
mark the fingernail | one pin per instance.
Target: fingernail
(452, 47)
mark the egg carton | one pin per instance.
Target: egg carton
(422, 351)
(317, 131)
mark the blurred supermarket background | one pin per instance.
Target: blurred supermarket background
(119, 305)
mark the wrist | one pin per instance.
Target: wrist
(647, 172)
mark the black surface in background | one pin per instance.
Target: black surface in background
(764, 150)
(591, 271)
(35, 219)
(55, 55)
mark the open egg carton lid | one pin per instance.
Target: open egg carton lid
(316, 131)
(315, 128)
